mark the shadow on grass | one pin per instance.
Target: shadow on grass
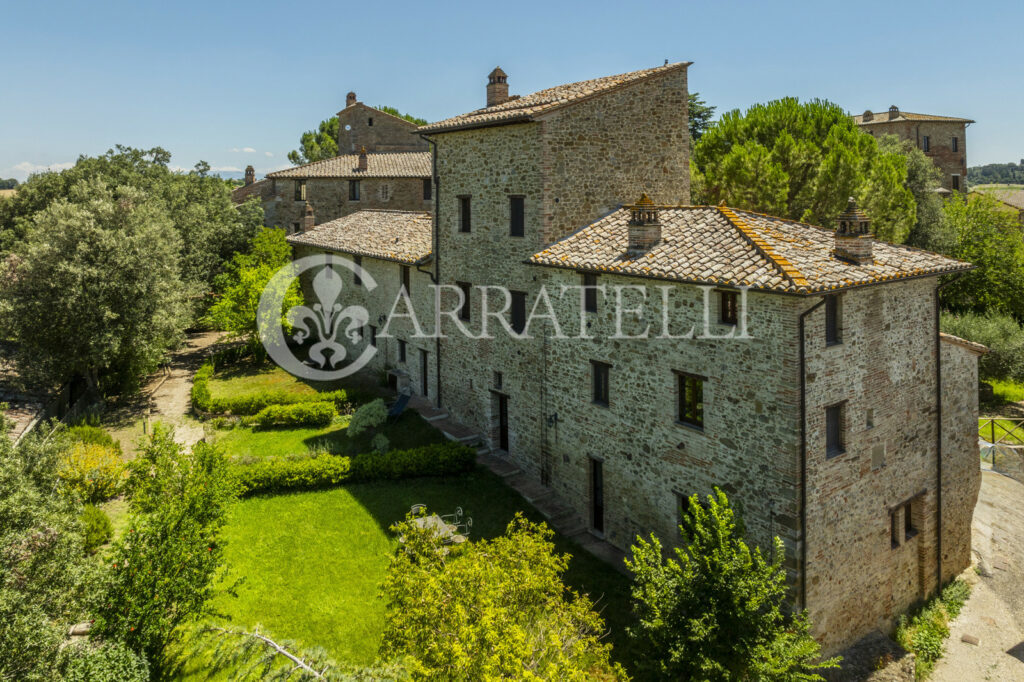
(410, 430)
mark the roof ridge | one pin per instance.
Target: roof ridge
(764, 248)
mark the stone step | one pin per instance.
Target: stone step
(500, 466)
(437, 417)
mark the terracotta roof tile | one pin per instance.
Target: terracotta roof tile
(525, 108)
(402, 236)
(719, 245)
(1009, 196)
(378, 165)
(240, 194)
(883, 117)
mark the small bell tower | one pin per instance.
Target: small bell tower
(497, 87)
(644, 226)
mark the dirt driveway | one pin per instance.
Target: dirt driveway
(995, 612)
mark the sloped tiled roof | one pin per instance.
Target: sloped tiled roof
(883, 117)
(402, 236)
(525, 108)
(378, 165)
(240, 194)
(1010, 197)
(719, 245)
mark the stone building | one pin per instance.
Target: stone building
(943, 139)
(815, 389)
(364, 127)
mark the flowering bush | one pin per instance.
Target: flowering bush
(93, 472)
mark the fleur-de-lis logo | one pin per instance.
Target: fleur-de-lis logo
(326, 317)
(323, 323)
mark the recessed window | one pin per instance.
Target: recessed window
(499, 380)
(517, 220)
(428, 189)
(956, 182)
(728, 307)
(690, 399)
(834, 441)
(465, 214)
(589, 292)
(909, 529)
(300, 190)
(599, 372)
(518, 311)
(955, 144)
(384, 192)
(926, 143)
(296, 228)
(464, 309)
(353, 190)
(832, 326)
(894, 528)
(356, 279)
(405, 280)
(369, 122)
(401, 350)
(373, 336)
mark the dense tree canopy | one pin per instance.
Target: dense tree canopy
(997, 173)
(8, 183)
(700, 116)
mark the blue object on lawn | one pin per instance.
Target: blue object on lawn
(398, 407)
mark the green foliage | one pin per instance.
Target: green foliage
(992, 240)
(367, 418)
(490, 609)
(317, 145)
(102, 662)
(408, 117)
(251, 404)
(92, 472)
(85, 433)
(275, 474)
(45, 577)
(299, 414)
(162, 570)
(713, 611)
(95, 288)
(923, 178)
(97, 528)
(700, 115)
(1003, 336)
(803, 161)
(996, 173)
(924, 631)
(241, 286)
(8, 183)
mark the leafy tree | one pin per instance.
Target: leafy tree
(714, 610)
(996, 173)
(701, 114)
(95, 290)
(317, 145)
(991, 239)
(489, 609)
(9, 183)
(408, 117)
(1003, 335)
(802, 161)
(162, 569)
(45, 576)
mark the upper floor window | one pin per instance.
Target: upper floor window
(955, 144)
(356, 279)
(926, 143)
(690, 399)
(295, 228)
(599, 372)
(832, 327)
(465, 214)
(373, 336)
(517, 220)
(729, 312)
(464, 309)
(353, 190)
(384, 192)
(834, 441)
(402, 351)
(405, 280)
(300, 190)
(428, 189)
(589, 292)
(518, 312)
(369, 121)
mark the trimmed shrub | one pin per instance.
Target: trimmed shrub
(367, 418)
(104, 662)
(279, 474)
(204, 402)
(93, 434)
(97, 528)
(300, 414)
(94, 472)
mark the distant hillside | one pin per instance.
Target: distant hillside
(996, 173)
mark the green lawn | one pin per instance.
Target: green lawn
(312, 561)
(1006, 431)
(1007, 390)
(242, 443)
(247, 377)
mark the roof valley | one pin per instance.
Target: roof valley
(750, 234)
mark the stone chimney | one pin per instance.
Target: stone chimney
(644, 226)
(854, 240)
(250, 175)
(350, 99)
(497, 87)
(894, 112)
(307, 219)
(362, 159)
(868, 116)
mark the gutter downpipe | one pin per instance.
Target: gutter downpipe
(803, 453)
(938, 435)
(435, 276)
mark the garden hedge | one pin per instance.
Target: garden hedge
(299, 414)
(276, 474)
(251, 404)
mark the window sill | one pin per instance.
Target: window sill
(598, 403)
(830, 344)
(832, 454)
(689, 426)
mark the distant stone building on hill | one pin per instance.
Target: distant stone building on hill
(943, 139)
(1011, 199)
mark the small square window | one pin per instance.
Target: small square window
(465, 214)
(690, 399)
(401, 350)
(833, 334)
(353, 190)
(729, 307)
(356, 279)
(589, 292)
(465, 312)
(428, 189)
(300, 190)
(518, 312)
(834, 441)
(517, 219)
(599, 374)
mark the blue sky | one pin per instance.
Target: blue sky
(236, 83)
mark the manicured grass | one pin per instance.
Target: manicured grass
(1004, 431)
(408, 431)
(312, 561)
(1007, 391)
(246, 378)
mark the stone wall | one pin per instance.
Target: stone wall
(940, 135)
(387, 133)
(329, 197)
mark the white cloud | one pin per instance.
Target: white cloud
(247, 150)
(225, 169)
(28, 167)
(268, 154)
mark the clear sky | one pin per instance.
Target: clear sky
(237, 83)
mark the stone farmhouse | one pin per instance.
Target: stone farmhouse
(817, 390)
(383, 164)
(943, 139)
